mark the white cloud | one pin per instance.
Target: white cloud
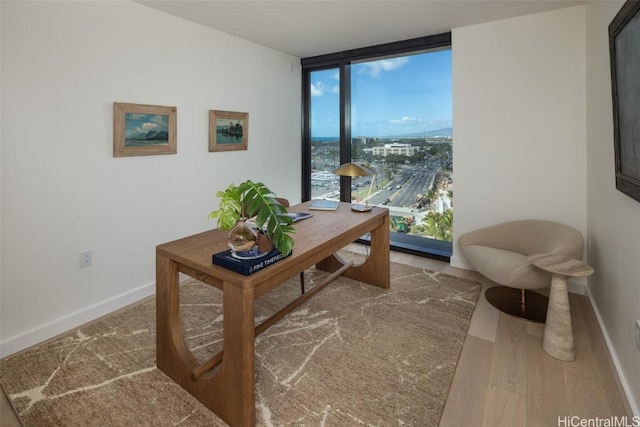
(321, 88)
(149, 126)
(406, 121)
(316, 90)
(374, 68)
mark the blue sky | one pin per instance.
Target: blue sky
(395, 96)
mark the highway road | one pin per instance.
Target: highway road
(403, 190)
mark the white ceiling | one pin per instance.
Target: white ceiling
(305, 28)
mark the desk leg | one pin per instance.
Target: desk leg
(238, 363)
(376, 270)
(231, 392)
(172, 353)
(558, 331)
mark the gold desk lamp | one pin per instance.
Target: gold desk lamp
(353, 169)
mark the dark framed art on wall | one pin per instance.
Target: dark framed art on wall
(624, 49)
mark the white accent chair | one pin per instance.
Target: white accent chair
(500, 253)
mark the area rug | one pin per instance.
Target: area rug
(354, 354)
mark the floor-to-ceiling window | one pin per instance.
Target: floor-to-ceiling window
(389, 109)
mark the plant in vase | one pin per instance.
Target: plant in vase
(248, 200)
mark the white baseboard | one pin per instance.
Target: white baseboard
(70, 321)
(577, 285)
(623, 380)
(460, 262)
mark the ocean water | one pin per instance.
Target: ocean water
(225, 138)
(144, 143)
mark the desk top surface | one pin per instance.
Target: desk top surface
(315, 239)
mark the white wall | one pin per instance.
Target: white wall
(519, 121)
(613, 218)
(63, 66)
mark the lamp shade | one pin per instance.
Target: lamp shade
(351, 169)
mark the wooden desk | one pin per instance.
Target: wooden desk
(558, 330)
(230, 392)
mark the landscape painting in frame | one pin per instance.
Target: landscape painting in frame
(228, 130)
(142, 130)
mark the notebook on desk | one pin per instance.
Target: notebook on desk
(324, 205)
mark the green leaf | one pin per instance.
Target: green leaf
(230, 208)
(259, 201)
(251, 199)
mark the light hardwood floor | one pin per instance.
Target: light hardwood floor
(504, 378)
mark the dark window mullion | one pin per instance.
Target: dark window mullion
(345, 127)
(306, 124)
(306, 135)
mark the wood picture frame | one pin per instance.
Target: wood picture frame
(228, 130)
(142, 130)
(624, 39)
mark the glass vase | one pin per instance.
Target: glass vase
(242, 238)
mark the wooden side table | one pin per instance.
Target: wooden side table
(558, 331)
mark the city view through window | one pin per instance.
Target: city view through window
(401, 129)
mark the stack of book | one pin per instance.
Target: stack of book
(246, 266)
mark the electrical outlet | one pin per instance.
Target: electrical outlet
(86, 259)
(638, 333)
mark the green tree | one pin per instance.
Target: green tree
(430, 195)
(439, 225)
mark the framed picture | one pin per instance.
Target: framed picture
(624, 39)
(228, 130)
(142, 130)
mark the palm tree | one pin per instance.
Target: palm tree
(430, 195)
(439, 225)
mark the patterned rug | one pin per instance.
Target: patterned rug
(354, 354)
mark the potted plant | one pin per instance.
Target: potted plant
(251, 199)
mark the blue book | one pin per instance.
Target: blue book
(298, 216)
(246, 266)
